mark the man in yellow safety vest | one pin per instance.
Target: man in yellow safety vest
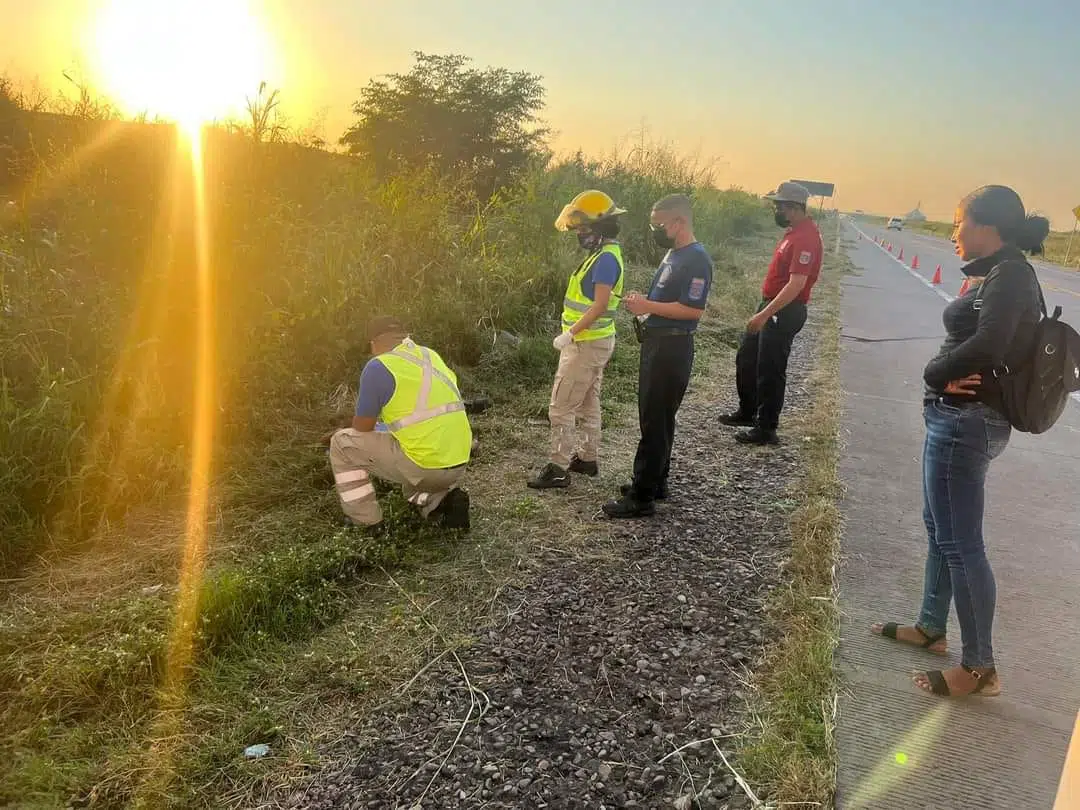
(587, 339)
(409, 428)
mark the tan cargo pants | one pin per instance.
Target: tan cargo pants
(575, 399)
(356, 456)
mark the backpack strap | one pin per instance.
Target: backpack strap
(1004, 370)
(1038, 288)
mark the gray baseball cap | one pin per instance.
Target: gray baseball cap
(789, 192)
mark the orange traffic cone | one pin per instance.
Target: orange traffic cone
(915, 262)
(890, 247)
(901, 256)
(964, 286)
(937, 276)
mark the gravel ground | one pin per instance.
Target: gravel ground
(601, 672)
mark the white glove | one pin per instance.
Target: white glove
(562, 340)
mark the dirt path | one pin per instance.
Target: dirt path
(614, 679)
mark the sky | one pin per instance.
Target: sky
(897, 103)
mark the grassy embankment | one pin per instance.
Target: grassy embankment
(140, 652)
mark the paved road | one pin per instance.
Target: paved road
(900, 748)
(1060, 286)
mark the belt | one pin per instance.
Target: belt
(666, 331)
(951, 401)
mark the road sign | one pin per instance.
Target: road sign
(1068, 248)
(817, 189)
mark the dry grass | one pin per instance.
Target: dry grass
(789, 749)
(297, 682)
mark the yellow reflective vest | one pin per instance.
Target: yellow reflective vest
(575, 303)
(425, 413)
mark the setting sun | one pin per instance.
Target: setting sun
(190, 61)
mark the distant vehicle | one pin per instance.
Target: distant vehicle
(895, 223)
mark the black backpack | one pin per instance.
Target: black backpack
(1035, 389)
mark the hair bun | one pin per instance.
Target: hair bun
(1033, 234)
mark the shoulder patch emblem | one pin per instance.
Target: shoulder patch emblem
(804, 257)
(697, 289)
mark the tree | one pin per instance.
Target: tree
(481, 123)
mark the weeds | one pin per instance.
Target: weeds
(790, 749)
(96, 394)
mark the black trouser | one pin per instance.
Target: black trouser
(761, 365)
(663, 375)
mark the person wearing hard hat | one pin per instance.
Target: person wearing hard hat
(762, 358)
(587, 339)
(409, 428)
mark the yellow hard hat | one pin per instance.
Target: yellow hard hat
(587, 207)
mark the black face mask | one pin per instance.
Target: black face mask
(661, 238)
(589, 241)
(781, 219)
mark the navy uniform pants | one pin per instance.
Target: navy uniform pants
(761, 365)
(667, 356)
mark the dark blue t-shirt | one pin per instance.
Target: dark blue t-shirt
(684, 276)
(605, 270)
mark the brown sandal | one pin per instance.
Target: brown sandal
(939, 686)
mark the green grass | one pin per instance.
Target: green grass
(789, 749)
(119, 687)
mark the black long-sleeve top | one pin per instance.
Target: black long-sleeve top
(996, 331)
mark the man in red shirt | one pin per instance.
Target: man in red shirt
(761, 362)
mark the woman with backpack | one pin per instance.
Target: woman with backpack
(964, 410)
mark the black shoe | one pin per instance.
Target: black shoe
(589, 468)
(737, 419)
(551, 477)
(453, 511)
(661, 494)
(757, 436)
(629, 507)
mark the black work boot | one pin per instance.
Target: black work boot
(589, 468)
(737, 419)
(551, 477)
(661, 493)
(757, 436)
(453, 511)
(629, 506)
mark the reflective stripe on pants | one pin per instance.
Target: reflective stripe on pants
(356, 457)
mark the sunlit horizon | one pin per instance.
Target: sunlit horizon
(188, 61)
(889, 104)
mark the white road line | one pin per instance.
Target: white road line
(1075, 396)
(933, 287)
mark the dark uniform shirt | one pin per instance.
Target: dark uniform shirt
(684, 276)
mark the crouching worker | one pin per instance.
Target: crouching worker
(410, 428)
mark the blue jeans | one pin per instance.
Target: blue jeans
(960, 444)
